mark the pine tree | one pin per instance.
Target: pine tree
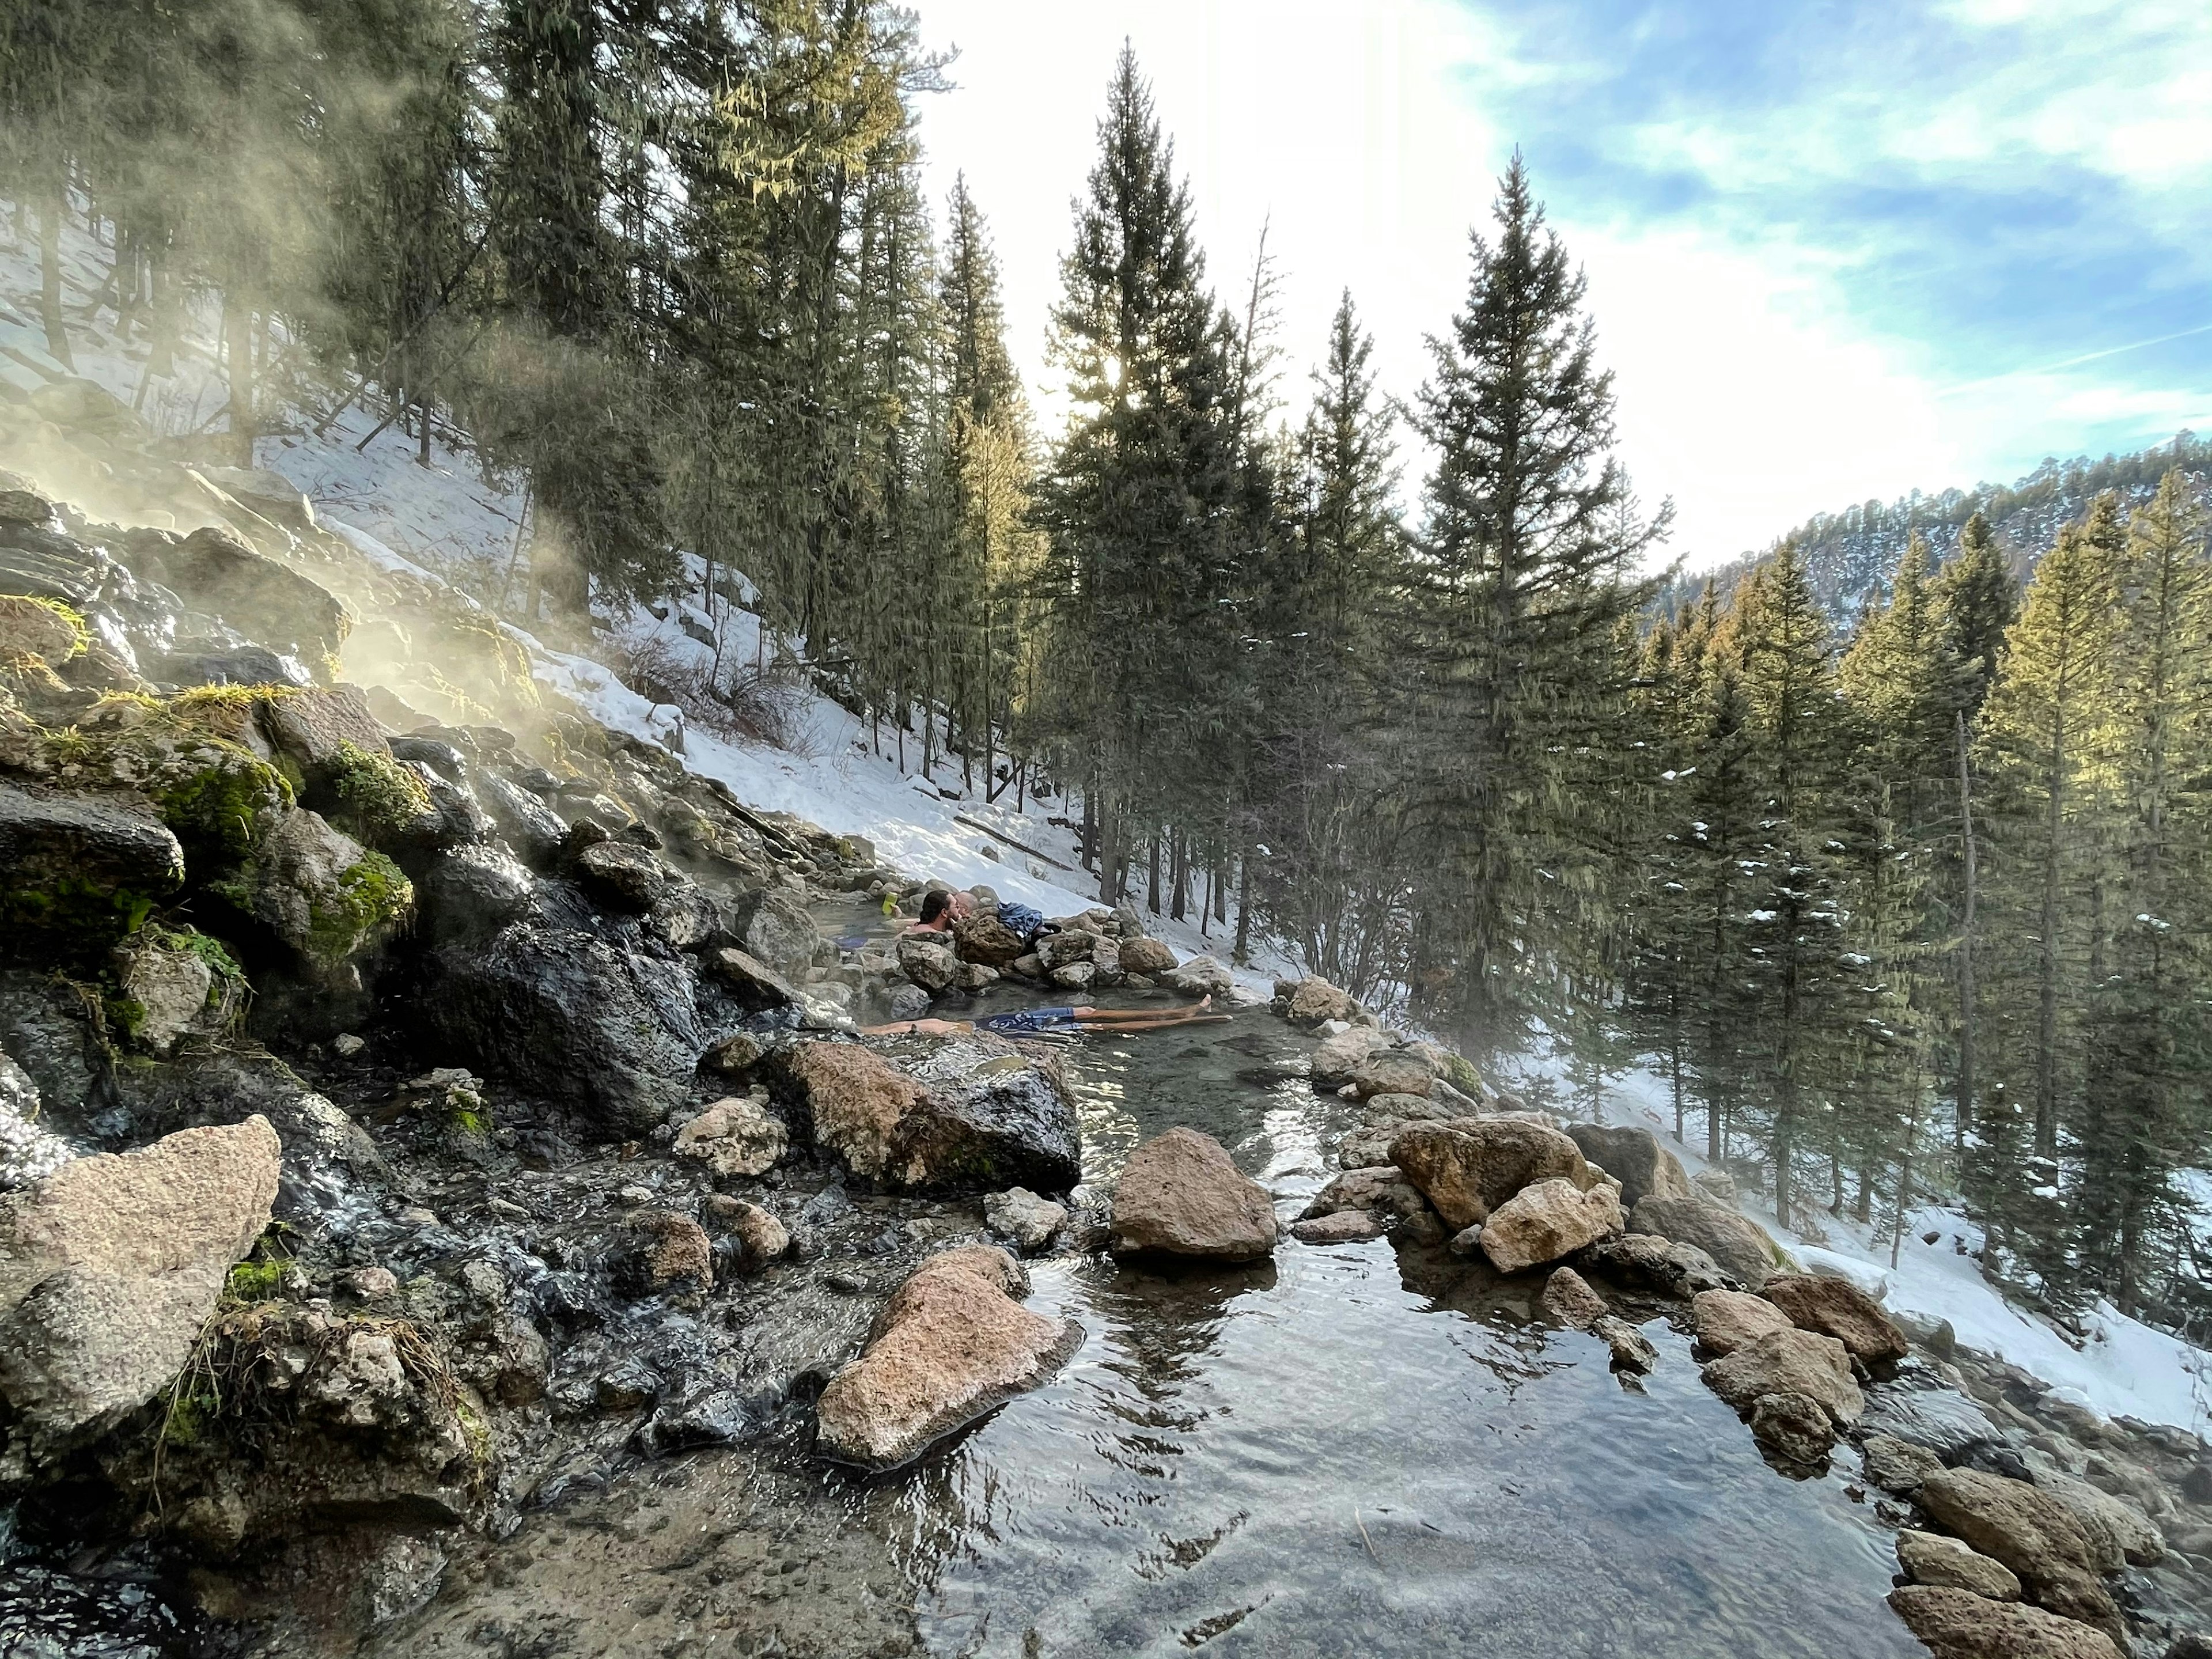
(1524, 558)
(1144, 578)
(1978, 598)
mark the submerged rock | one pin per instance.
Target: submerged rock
(1948, 1423)
(1731, 1238)
(1546, 1220)
(1572, 1300)
(1021, 1215)
(1897, 1465)
(1179, 1194)
(950, 1345)
(1338, 1227)
(1379, 1191)
(1836, 1308)
(1466, 1166)
(1957, 1624)
(109, 1266)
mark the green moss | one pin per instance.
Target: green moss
(219, 808)
(256, 1281)
(75, 917)
(1463, 1076)
(368, 894)
(223, 965)
(373, 798)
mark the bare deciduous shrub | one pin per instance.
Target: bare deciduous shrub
(745, 702)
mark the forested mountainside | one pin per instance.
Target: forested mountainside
(1851, 557)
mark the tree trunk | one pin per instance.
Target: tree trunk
(2047, 1031)
(1963, 1116)
(1240, 951)
(50, 280)
(1152, 875)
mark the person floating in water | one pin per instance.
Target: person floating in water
(1028, 1022)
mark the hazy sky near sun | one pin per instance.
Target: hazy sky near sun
(1836, 250)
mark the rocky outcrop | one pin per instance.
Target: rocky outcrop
(1957, 1624)
(1466, 1166)
(613, 1034)
(1788, 1362)
(2029, 1531)
(1635, 1158)
(1929, 1557)
(1391, 1072)
(994, 1114)
(952, 1344)
(1734, 1240)
(1546, 1220)
(108, 1268)
(1181, 1195)
(1727, 1320)
(1835, 1308)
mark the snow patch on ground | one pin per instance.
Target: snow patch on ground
(2123, 1368)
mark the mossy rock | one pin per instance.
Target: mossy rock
(370, 795)
(39, 630)
(366, 898)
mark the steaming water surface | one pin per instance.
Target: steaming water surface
(1355, 1451)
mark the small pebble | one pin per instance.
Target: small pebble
(347, 1046)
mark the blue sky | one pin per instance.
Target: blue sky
(1835, 251)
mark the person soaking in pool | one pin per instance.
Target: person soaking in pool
(1028, 1022)
(940, 910)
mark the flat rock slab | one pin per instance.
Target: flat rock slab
(1181, 1194)
(952, 1344)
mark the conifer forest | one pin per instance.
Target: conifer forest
(1889, 849)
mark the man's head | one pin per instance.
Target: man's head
(934, 907)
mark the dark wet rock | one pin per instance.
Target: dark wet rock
(1468, 1167)
(1788, 1362)
(1380, 1191)
(1634, 1158)
(532, 827)
(622, 875)
(236, 665)
(2030, 1532)
(1794, 1426)
(952, 1344)
(733, 1137)
(468, 894)
(993, 1113)
(1929, 1332)
(1680, 1271)
(325, 896)
(782, 934)
(66, 854)
(1929, 1557)
(1572, 1300)
(1836, 1308)
(1897, 1466)
(1727, 1320)
(314, 725)
(708, 1414)
(1945, 1423)
(734, 1055)
(751, 982)
(1957, 1624)
(1546, 1220)
(217, 574)
(108, 1268)
(614, 1034)
(441, 757)
(1740, 1245)
(1023, 1217)
(1179, 1194)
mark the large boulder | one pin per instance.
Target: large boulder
(220, 576)
(313, 725)
(2032, 1532)
(1339, 1056)
(928, 961)
(1202, 977)
(950, 1345)
(1150, 956)
(984, 939)
(994, 1114)
(751, 982)
(108, 1268)
(782, 934)
(1635, 1158)
(613, 1034)
(1468, 1167)
(1392, 1072)
(1315, 999)
(2120, 1534)
(1179, 1194)
(326, 895)
(849, 1097)
(1727, 1320)
(1836, 1308)
(81, 858)
(1731, 1238)
(1788, 1362)
(1957, 1624)
(1546, 1220)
